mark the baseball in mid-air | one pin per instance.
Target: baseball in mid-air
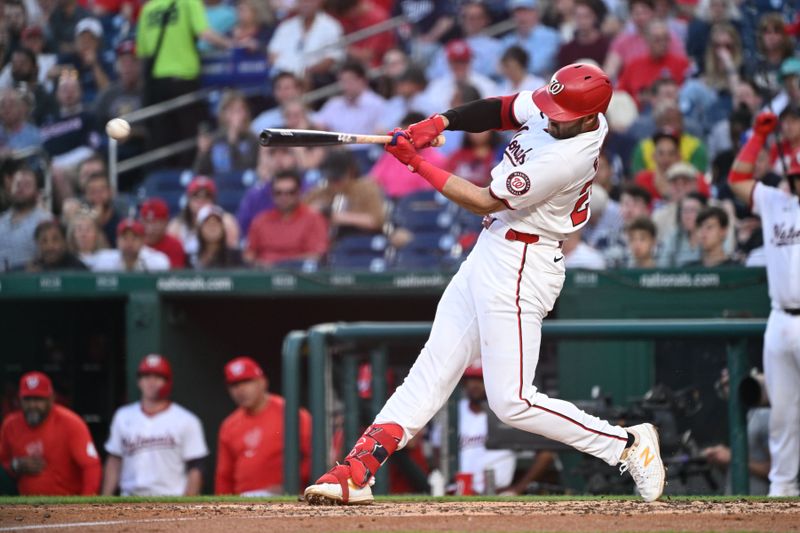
(118, 128)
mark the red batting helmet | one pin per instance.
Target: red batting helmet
(157, 365)
(574, 91)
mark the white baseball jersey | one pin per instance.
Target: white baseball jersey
(473, 429)
(545, 182)
(155, 449)
(780, 222)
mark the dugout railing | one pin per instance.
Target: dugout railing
(316, 343)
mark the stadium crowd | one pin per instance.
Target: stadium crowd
(689, 77)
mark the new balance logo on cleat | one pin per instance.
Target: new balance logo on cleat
(643, 461)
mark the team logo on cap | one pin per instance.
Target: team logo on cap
(32, 382)
(153, 360)
(237, 368)
(555, 87)
(518, 183)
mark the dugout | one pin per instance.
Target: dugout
(89, 331)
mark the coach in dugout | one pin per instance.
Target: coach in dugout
(156, 447)
(250, 451)
(46, 447)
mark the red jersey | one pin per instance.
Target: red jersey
(789, 154)
(273, 237)
(642, 72)
(250, 450)
(647, 179)
(172, 248)
(64, 442)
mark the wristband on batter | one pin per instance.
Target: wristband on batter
(433, 174)
(748, 155)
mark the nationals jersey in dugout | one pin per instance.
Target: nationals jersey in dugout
(546, 189)
(155, 449)
(473, 429)
(63, 441)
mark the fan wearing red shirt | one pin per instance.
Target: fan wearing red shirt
(250, 450)
(291, 231)
(154, 214)
(660, 62)
(47, 447)
(666, 153)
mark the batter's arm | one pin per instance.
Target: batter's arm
(740, 177)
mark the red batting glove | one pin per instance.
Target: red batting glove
(422, 133)
(402, 149)
(765, 123)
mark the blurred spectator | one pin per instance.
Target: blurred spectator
(789, 147)
(440, 91)
(15, 18)
(789, 94)
(258, 197)
(125, 94)
(175, 69)
(588, 41)
(93, 71)
(254, 25)
(286, 87)
(155, 446)
(634, 203)
(18, 224)
(605, 220)
(307, 44)
(23, 75)
(666, 152)
(476, 158)
(682, 178)
(712, 230)
(659, 62)
(463, 93)
(131, 255)
(357, 109)
(100, 199)
(291, 231)
(16, 133)
(514, 66)
(725, 135)
(70, 136)
(560, 15)
(201, 192)
(662, 96)
(46, 447)
(641, 235)
(309, 158)
(355, 15)
(709, 97)
(409, 97)
(214, 251)
(394, 177)
(154, 214)
(237, 149)
(682, 245)
(430, 22)
(250, 450)
(774, 45)
(221, 19)
(85, 238)
(707, 14)
(473, 19)
(353, 205)
(631, 43)
(51, 249)
(62, 25)
(578, 254)
(540, 41)
(668, 118)
(32, 39)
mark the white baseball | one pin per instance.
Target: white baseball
(118, 128)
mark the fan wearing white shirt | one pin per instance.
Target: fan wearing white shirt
(516, 78)
(131, 254)
(459, 60)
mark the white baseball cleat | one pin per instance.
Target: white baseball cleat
(643, 461)
(336, 488)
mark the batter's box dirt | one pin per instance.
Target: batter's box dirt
(399, 516)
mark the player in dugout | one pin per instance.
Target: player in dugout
(46, 447)
(492, 310)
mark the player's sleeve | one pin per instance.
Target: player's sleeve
(114, 442)
(532, 182)
(85, 456)
(524, 109)
(305, 445)
(223, 478)
(194, 440)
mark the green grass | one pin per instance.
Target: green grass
(83, 500)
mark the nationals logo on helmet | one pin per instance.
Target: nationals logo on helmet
(518, 183)
(555, 86)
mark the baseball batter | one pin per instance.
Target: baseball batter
(780, 222)
(493, 308)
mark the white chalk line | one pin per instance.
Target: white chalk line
(97, 524)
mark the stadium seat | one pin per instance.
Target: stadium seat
(359, 252)
(229, 200)
(426, 250)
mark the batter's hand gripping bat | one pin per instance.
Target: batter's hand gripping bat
(281, 137)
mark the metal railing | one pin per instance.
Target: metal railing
(318, 340)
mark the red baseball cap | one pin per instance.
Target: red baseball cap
(128, 46)
(242, 369)
(35, 385)
(154, 209)
(155, 364)
(473, 372)
(129, 224)
(202, 183)
(458, 50)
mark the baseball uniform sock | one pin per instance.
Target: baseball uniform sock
(374, 447)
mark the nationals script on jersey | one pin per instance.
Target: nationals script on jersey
(780, 220)
(546, 182)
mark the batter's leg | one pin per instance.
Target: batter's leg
(782, 374)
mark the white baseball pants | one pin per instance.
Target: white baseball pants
(492, 311)
(782, 374)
